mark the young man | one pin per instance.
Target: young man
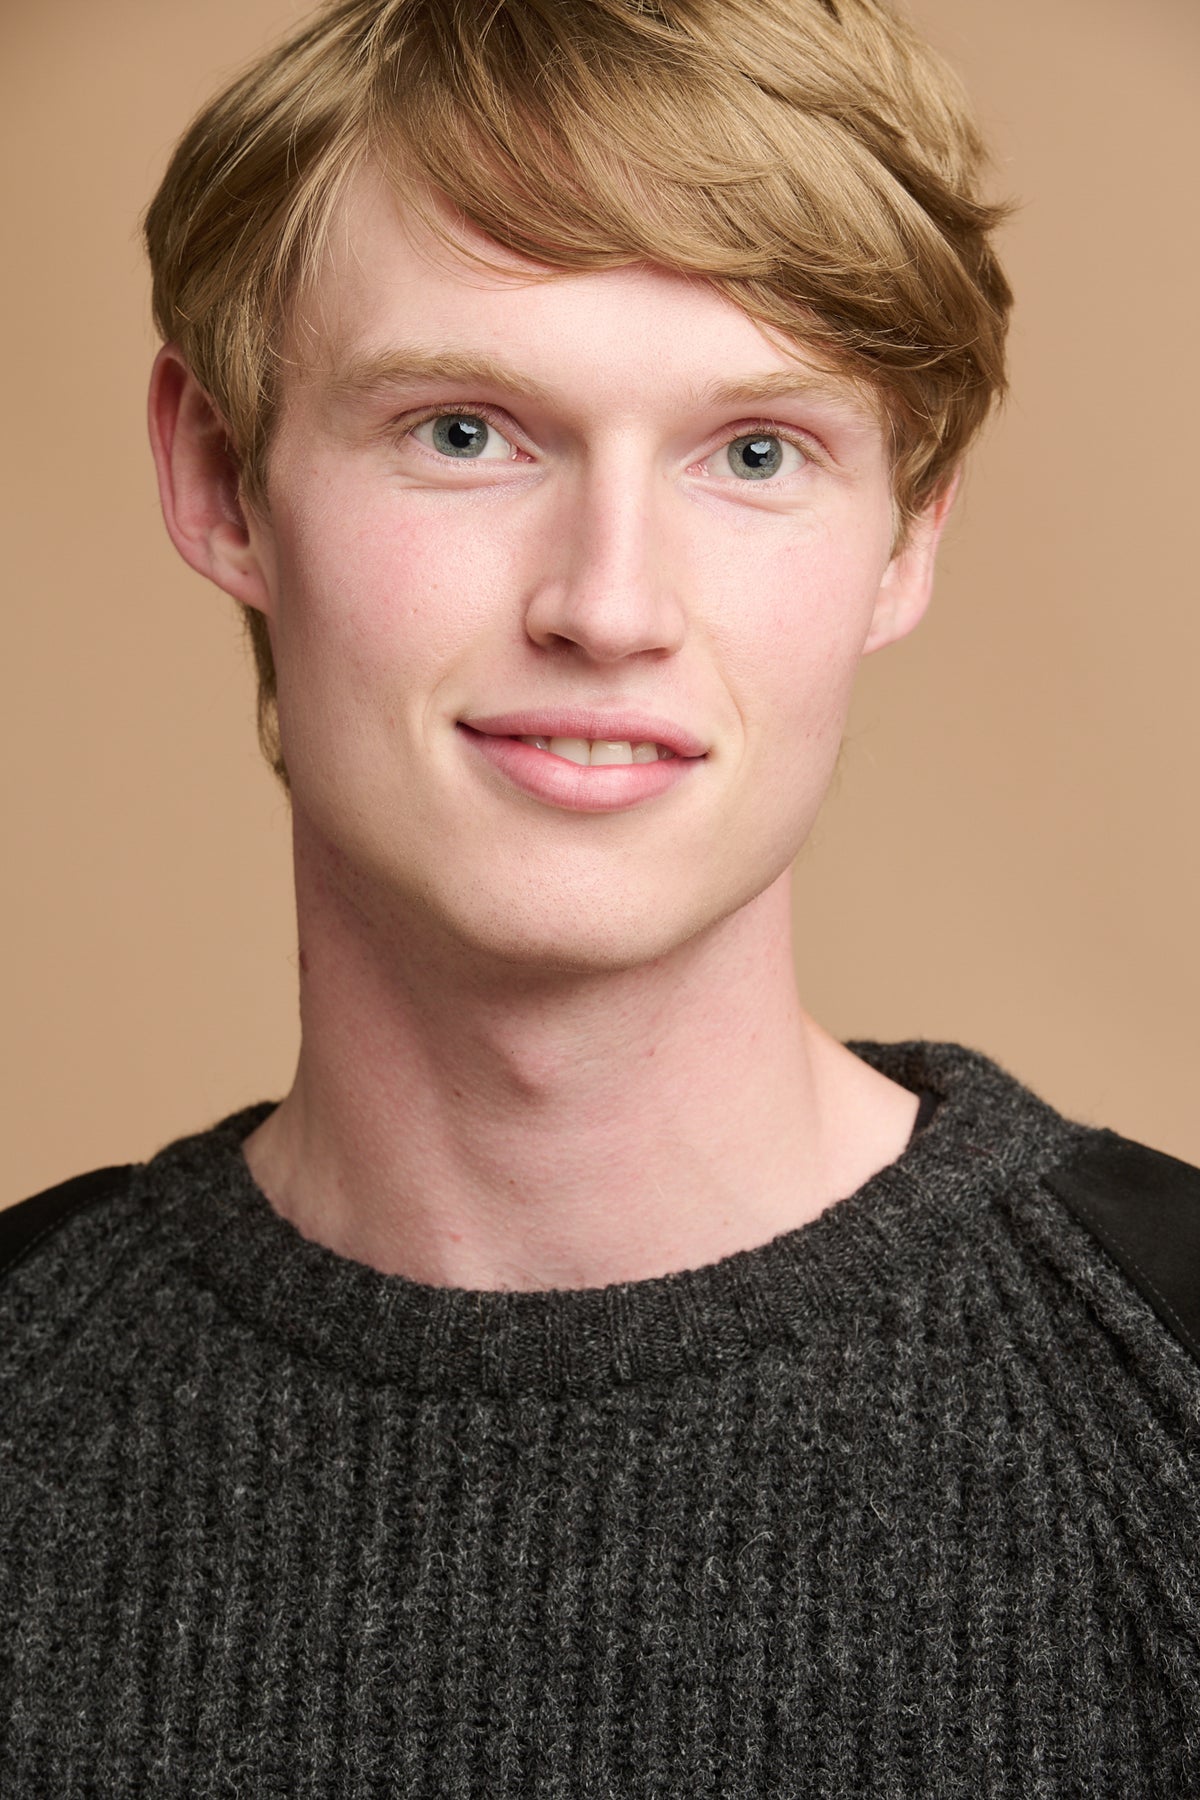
(591, 1379)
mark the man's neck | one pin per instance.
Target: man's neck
(506, 1128)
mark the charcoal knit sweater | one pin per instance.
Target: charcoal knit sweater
(903, 1503)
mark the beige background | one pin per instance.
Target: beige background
(1010, 858)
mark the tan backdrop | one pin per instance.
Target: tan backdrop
(1010, 858)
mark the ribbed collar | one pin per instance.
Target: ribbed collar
(987, 1133)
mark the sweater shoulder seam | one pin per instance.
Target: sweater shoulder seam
(25, 1226)
(1143, 1208)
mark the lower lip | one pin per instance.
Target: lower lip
(606, 787)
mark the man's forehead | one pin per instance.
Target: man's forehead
(380, 241)
(397, 304)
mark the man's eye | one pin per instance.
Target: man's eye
(760, 454)
(464, 436)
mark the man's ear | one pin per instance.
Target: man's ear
(907, 581)
(198, 482)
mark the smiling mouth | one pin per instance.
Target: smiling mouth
(586, 774)
(598, 752)
(569, 734)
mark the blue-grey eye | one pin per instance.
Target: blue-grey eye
(755, 457)
(460, 434)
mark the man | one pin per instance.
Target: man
(592, 1378)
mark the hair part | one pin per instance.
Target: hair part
(812, 159)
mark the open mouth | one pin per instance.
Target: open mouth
(599, 752)
(570, 733)
(586, 774)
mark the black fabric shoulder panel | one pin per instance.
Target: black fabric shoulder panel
(1144, 1207)
(29, 1221)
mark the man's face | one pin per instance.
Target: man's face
(602, 507)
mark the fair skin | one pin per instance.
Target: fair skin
(550, 1032)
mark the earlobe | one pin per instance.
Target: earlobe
(907, 584)
(198, 482)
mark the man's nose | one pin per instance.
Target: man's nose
(610, 584)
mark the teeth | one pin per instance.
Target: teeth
(599, 751)
(605, 750)
(576, 750)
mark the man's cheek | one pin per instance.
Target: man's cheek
(404, 598)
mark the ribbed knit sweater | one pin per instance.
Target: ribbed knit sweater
(903, 1503)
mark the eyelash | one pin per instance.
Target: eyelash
(470, 411)
(474, 410)
(766, 428)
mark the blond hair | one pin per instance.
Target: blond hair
(813, 159)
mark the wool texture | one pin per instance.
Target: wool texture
(903, 1503)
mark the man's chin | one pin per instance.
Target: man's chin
(568, 920)
(569, 947)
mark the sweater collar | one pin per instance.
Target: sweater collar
(987, 1134)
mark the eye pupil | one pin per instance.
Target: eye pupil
(460, 434)
(755, 457)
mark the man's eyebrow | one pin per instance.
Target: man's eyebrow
(373, 372)
(788, 384)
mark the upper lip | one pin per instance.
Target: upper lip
(585, 722)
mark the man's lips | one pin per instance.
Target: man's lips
(572, 782)
(593, 726)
